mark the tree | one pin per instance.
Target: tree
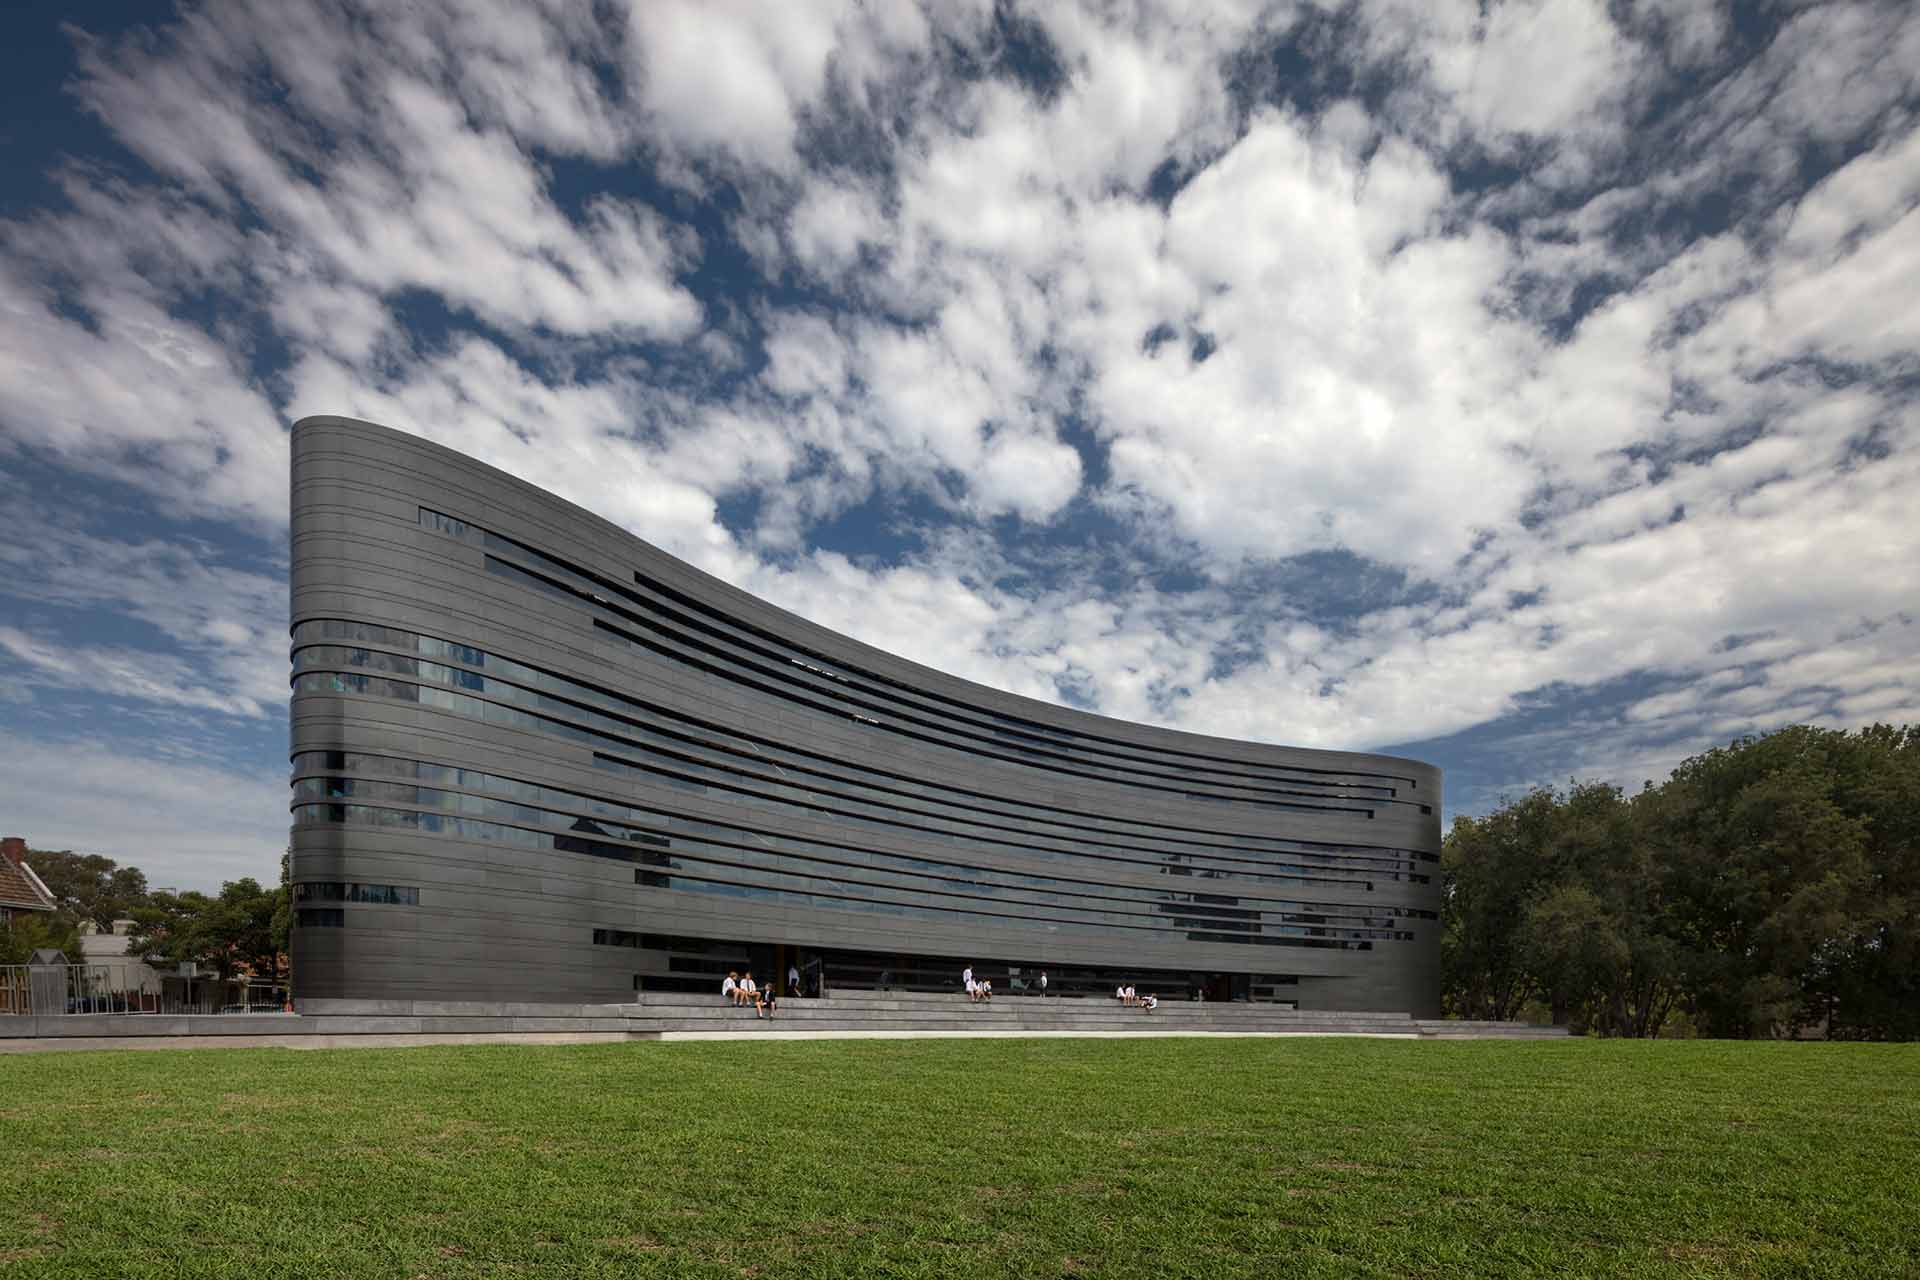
(88, 886)
(282, 926)
(1770, 884)
(1770, 874)
(32, 931)
(1492, 867)
(1555, 895)
(230, 934)
(1866, 981)
(1600, 935)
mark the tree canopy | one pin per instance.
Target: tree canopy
(1770, 884)
(241, 929)
(32, 931)
(89, 886)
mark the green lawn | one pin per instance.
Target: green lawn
(954, 1157)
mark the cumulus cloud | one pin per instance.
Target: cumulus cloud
(186, 823)
(216, 627)
(376, 171)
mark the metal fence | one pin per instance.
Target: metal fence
(43, 990)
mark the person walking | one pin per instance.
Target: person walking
(1043, 984)
(793, 979)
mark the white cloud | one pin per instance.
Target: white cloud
(420, 188)
(185, 823)
(222, 626)
(739, 83)
(1356, 383)
(1537, 67)
(583, 441)
(112, 672)
(831, 224)
(134, 392)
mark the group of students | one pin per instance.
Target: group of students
(742, 992)
(1127, 995)
(976, 991)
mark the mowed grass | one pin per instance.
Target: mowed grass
(1203, 1158)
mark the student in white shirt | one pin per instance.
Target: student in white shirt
(986, 988)
(748, 992)
(1151, 1002)
(1120, 993)
(731, 988)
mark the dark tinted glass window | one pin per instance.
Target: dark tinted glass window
(397, 895)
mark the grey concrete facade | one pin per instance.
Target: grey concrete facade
(531, 752)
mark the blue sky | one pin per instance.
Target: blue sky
(1531, 390)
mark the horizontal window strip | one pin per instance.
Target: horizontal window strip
(585, 587)
(475, 707)
(839, 894)
(978, 746)
(845, 810)
(467, 828)
(398, 895)
(746, 847)
(448, 780)
(680, 732)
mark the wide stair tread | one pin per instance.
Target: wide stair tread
(931, 1012)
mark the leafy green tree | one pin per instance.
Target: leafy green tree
(1769, 871)
(89, 886)
(1770, 884)
(1601, 935)
(32, 931)
(1866, 981)
(283, 906)
(228, 934)
(1492, 868)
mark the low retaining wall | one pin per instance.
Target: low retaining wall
(332, 1024)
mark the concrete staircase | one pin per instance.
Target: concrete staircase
(325, 1023)
(868, 1013)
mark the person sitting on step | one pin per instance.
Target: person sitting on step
(748, 992)
(731, 987)
(1150, 1002)
(767, 1003)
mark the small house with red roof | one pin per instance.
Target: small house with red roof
(21, 891)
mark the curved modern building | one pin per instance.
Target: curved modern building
(536, 759)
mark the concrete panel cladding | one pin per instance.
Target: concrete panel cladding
(536, 759)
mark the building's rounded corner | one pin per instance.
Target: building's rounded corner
(315, 420)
